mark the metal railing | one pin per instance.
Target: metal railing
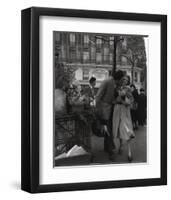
(70, 130)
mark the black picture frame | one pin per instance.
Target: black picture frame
(30, 99)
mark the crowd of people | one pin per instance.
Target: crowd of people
(117, 104)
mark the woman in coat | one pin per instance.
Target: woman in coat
(122, 123)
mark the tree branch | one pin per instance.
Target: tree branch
(129, 59)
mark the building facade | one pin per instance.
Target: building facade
(91, 54)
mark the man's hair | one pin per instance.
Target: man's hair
(118, 75)
(92, 79)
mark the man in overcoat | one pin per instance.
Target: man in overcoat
(105, 98)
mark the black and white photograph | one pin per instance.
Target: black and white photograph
(100, 90)
(94, 99)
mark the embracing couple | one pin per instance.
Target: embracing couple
(113, 102)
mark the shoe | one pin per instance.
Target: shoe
(132, 136)
(112, 157)
(130, 158)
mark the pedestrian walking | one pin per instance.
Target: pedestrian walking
(122, 123)
(90, 91)
(134, 106)
(104, 105)
(142, 107)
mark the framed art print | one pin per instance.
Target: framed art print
(94, 99)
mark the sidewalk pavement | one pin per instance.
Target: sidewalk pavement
(139, 149)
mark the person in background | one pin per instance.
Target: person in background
(104, 105)
(90, 91)
(142, 108)
(76, 99)
(122, 123)
(134, 106)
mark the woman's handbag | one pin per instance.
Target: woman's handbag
(97, 128)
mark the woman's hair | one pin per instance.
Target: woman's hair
(92, 79)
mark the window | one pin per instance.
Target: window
(85, 56)
(86, 39)
(135, 76)
(85, 74)
(57, 37)
(72, 38)
(106, 54)
(63, 52)
(93, 53)
(98, 57)
(124, 44)
(123, 60)
(111, 41)
(111, 58)
(98, 42)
